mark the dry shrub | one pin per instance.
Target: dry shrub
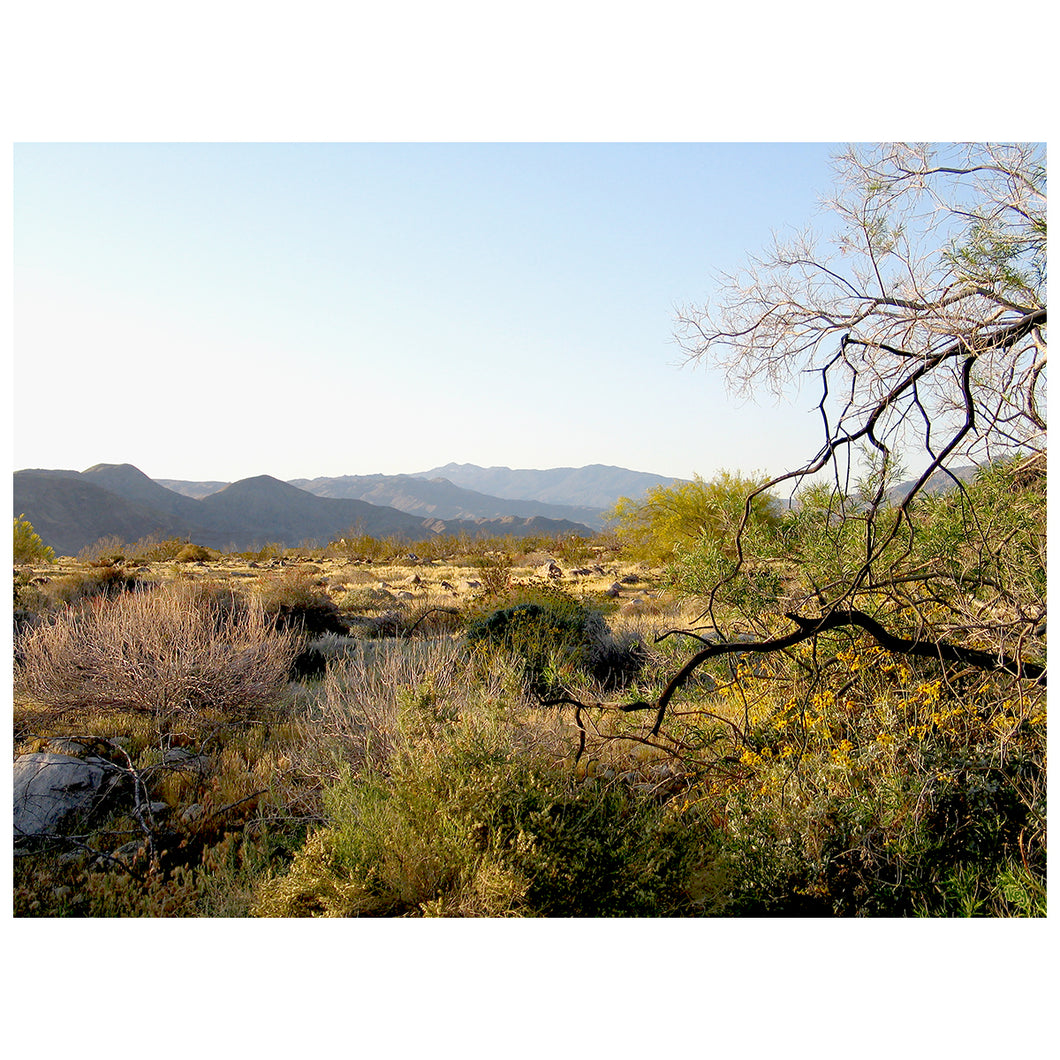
(167, 652)
(362, 697)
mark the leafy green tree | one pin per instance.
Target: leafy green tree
(28, 546)
(668, 518)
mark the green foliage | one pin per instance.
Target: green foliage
(670, 517)
(473, 825)
(548, 630)
(28, 547)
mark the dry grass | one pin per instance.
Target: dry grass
(165, 652)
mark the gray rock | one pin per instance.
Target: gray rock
(185, 760)
(55, 792)
(192, 813)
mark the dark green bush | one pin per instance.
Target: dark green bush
(550, 632)
(469, 825)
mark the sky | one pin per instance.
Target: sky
(221, 310)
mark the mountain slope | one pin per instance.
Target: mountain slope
(132, 484)
(439, 498)
(269, 506)
(594, 486)
(70, 510)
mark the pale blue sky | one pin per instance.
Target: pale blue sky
(225, 310)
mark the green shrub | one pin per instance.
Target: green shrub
(28, 547)
(473, 825)
(558, 640)
(549, 631)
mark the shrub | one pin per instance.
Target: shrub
(555, 637)
(495, 572)
(167, 652)
(28, 547)
(106, 551)
(575, 549)
(549, 631)
(190, 553)
(294, 600)
(151, 550)
(472, 824)
(100, 580)
(669, 516)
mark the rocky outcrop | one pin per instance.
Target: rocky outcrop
(59, 793)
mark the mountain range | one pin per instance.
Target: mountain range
(71, 510)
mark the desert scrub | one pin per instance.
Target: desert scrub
(495, 572)
(296, 599)
(80, 586)
(558, 640)
(191, 553)
(168, 652)
(478, 824)
(877, 786)
(383, 689)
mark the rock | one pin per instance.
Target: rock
(129, 852)
(185, 760)
(55, 792)
(192, 813)
(615, 590)
(630, 579)
(551, 570)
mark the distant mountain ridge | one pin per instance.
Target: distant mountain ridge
(73, 509)
(594, 486)
(579, 494)
(70, 510)
(439, 498)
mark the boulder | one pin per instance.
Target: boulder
(54, 793)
